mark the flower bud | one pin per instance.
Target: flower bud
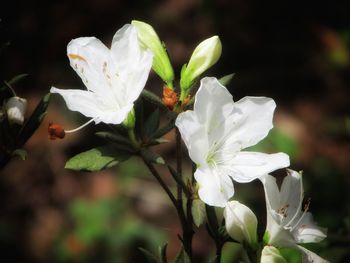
(205, 55)
(149, 39)
(15, 108)
(241, 223)
(271, 254)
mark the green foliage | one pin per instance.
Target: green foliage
(225, 80)
(97, 159)
(198, 212)
(291, 255)
(278, 140)
(152, 124)
(34, 120)
(181, 257)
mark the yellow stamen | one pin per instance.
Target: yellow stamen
(76, 56)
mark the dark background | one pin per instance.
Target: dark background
(295, 52)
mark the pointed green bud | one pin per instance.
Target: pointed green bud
(205, 55)
(241, 223)
(271, 254)
(149, 39)
(15, 108)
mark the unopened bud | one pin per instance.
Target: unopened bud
(205, 55)
(15, 108)
(271, 254)
(149, 39)
(241, 223)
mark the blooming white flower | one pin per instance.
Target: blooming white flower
(114, 77)
(15, 108)
(270, 254)
(216, 131)
(241, 223)
(287, 224)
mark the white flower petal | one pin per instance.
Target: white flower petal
(292, 195)
(194, 136)
(133, 64)
(311, 257)
(272, 193)
(253, 119)
(214, 189)
(125, 47)
(307, 231)
(87, 55)
(247, 166)
(213, 107)
(88, 104)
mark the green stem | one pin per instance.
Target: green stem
(186, 222)
(161, 182)
(132, 138)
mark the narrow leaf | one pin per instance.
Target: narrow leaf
(150, 257)
(113, 137)
(152, 123)
(152, 156)
(17, 78)
(97, 159)
(34, 120)
(181, 257)
(198, 212)
(20, 153)
(164, 130)
(212, 220)
(225, 80)
(153, 98)
(162, 253)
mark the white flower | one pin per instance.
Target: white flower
(217, 130)
(241, 223)
(271, 254)
(287, 224)
(114, 77)
(15, 108)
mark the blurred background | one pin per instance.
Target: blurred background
(296, 53)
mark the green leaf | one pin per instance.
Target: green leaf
(97, 159)
(17, 78)
(198, 212)
(164, 130)
(181, 257)
(225, 80)
(113, 137)
(152, 123)
(152, 156)
(20, 153)
(153, 98)
(212, 220)
(34, 120)
(162, 253)
(291, 255)
(150, 257)
(158, 141)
